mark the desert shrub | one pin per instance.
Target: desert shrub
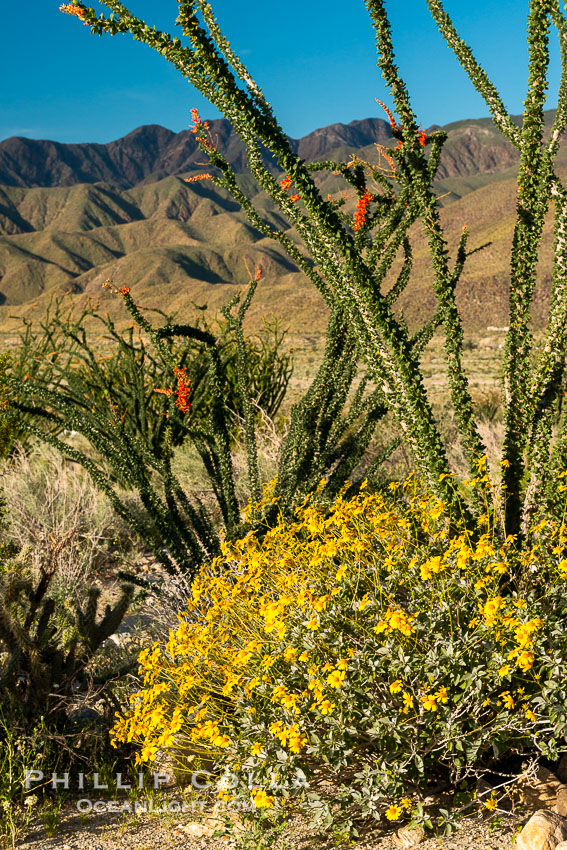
(329, 433)
(115, 372)
(43, 748)
(7, 424)
(362, 654)
(488, 406)
(50, 497)
(59, 682)
(7, 427)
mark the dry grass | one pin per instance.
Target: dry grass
(50, 498)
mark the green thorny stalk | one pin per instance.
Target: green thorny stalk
(348, 280)
(532, 391)
(349, 270)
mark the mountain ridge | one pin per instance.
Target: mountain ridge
(175, 242)
(151, 152)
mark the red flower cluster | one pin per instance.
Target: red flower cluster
(183, 390)
(422, 136)
(197, 177)
(361, 208)
(196, 118)
(198, 122)
(389, 114)
(422, 140)
(285, 184)
(71, 9)
(125, 290)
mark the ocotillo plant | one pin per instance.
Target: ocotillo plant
(349, 263)
(62, 352)
(180, 530)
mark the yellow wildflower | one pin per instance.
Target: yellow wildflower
(507, 699)
(289, 653)
(429, 702)
(290, 701)
(525, 660)
(262, 800)
(491, 610)
(394, 812)
(336, 678)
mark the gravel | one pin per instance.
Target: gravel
(114, 831)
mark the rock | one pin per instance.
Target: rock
(409, 837)
(83, 716)
(561, 803)
(562, 769)
(483, 790)
(544, 831)
(539, 791)
(196, 830)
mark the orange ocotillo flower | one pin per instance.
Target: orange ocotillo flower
(285, 184)
(206, 176)
(183, 390)
(196, 119)
(361, 208)
(422, 138)
(391, 118)
(71, 9)
(199, 123)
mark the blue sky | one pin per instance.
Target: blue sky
(315, 66)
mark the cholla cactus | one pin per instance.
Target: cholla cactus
(41, 661)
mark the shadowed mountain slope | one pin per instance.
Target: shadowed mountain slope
(75, 216)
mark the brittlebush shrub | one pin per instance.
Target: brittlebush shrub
(363, 653)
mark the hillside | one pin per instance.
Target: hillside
(74, 216)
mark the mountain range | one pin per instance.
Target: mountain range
(73, 216)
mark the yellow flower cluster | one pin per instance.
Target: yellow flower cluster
(281, 629)
(233, 638)
(394, 620)
(289, 736)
